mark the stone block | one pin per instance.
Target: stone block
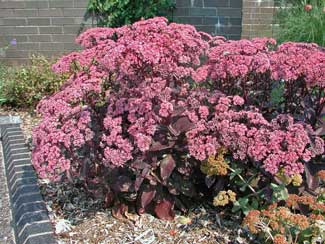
(39, 21)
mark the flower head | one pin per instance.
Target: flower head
(13, 42)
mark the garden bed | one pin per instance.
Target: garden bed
(203, 133)
(77, 218)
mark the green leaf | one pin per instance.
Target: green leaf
(255, 203)
(280, 192)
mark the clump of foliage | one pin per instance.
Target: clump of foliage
(26, 85)
(301, 219)
(302, 21)
(157, 115)
(4, 70)
(116, 13)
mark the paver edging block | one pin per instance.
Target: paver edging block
(31, 223)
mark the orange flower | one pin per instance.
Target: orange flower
(317, 217)
(279, 239)
(300, 220)
(251, 219)
(292, 200)
(318, 207)
(274, 225)
(321, 175)
(306, 200)
(172, 232)
(283, 213)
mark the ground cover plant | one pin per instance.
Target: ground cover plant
(156, 116)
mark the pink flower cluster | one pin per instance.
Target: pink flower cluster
(125, 80)
(244, 59)
(58, 140)
(279, 144)
(292, 61)
(131, 89)
(237, 59)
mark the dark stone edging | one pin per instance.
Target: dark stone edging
(31, 223)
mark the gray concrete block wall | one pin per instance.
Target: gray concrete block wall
(50, 26)
(217, 17)
(40, 26)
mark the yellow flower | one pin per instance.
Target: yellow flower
(284, 178)
(296, 180)
(222, 199)
(216, 164)
(232, 195)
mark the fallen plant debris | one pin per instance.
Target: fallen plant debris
(78, 218)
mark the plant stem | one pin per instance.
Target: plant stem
(243, 180)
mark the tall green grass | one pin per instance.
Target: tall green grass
(297, 24)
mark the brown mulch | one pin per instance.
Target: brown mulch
(145, 229)
(74, 223)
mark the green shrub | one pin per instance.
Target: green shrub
(115, 13)
(2, 78)
(25, 86)
(302, 21)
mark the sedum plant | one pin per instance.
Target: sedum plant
(156, 115)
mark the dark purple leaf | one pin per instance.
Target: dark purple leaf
(172, 190)
(179, 205)
(219, 185)
(138, 181)
(147, 196)
(178, 111)
(109, 198)
(320, 131)
(119, 211)
(122, 184)
(165, 210)
(303, 209)
(210, 180)
(140, 164)
(183, 124)
(157, 146)
(167, 166)
(184, 167)
(182, 185)
(311, 180)
(267, 193)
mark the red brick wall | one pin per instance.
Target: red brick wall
(258, 18)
